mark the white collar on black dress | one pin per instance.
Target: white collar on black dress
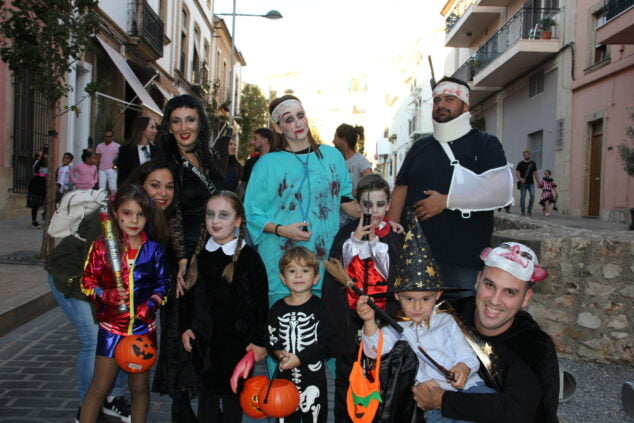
(229, 248)
(454, 129)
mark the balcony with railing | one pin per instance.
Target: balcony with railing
(619, 25)
(468, 21)
(465, 72)
(525, 40)
(147, 32)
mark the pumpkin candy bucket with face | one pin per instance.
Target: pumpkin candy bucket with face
(250, 394)
(279, 398)
(136, 353)
(364, 392)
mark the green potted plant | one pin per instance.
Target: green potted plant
(547, 25)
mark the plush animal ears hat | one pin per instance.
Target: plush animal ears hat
(416, 269)
(516, 259)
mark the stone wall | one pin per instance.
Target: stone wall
(586, 302)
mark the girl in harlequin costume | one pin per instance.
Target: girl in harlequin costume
(369, 254)
(228, 314)
(145, 279)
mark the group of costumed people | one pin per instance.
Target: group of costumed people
(234, 280)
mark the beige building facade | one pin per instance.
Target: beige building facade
(554, 77)
(146, 52)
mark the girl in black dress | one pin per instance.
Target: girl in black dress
(228, 314)
(184, 143)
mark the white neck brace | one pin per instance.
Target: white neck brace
(452, 130)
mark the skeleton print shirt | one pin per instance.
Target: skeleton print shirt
(305, 330)
(308, 332)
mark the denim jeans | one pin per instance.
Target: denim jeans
(531, 192)
(435, 416)
(460, 277)
(81, 317)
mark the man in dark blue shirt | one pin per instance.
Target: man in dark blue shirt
(424, 180)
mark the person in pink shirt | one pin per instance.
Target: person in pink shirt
(84, 174)
(107, 153)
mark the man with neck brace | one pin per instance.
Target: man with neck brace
(453, 180)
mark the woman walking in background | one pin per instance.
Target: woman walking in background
(225, 148)
(345, 140)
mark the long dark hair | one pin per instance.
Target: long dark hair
(155, 227)
(228, 272)
(221, 148)
(168, 146)
(142, 172)
(279, 141)
(139, 125)
(351, 134)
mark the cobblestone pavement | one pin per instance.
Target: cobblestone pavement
(37, 374)
(37, 380)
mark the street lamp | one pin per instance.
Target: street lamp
(271, 14)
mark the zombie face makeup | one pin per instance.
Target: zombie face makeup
(375, 203)
(292, 123)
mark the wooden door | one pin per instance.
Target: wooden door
(594, 183)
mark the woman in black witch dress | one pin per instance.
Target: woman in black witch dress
(185, 143)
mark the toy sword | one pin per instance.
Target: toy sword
(448, 373)
(112, 249)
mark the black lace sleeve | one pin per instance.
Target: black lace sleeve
(177, 237)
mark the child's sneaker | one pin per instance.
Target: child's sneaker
(117, 407)
(36, 225)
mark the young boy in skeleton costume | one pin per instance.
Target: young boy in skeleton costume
(301, 335)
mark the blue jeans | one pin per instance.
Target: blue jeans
(531, 192)
(460, 277)
(435, 416)
(81, 317)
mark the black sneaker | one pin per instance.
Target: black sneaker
(36, 225)
(118, 407)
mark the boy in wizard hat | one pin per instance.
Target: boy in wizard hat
(442, 351)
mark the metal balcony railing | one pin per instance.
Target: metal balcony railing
(526, 24)
(465, 71)
(458, 10)
(616, 7)
(200, 74)
(151, 29)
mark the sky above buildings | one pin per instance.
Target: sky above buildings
(323, 45)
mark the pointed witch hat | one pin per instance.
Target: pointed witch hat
(416, 269)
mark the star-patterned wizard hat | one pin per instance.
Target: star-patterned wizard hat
(416, 269)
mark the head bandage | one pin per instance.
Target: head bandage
(452, 88)
(516, 259)
(283, 108)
